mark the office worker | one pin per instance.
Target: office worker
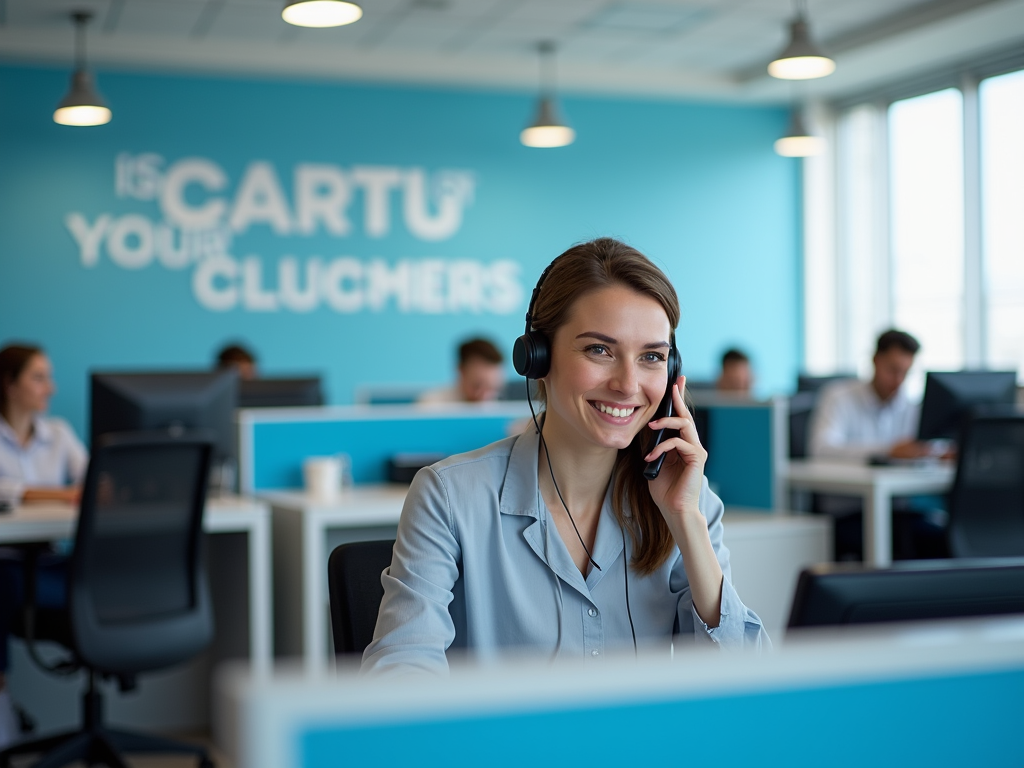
(43, 455)
(736, 376)
(480, 376)
(553, 541)
(239, 357)
(854, 420)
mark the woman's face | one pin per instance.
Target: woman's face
(609, 368)
(32, 390)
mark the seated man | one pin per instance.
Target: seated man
(859, 420)
(856, 420)
(240, 358)
(736, 376)
(481, 376)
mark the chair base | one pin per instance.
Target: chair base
(95, 744)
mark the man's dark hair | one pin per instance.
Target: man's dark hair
(893, 339)
(479, 349)
(734, 356)
(233, 354)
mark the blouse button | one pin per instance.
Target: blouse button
(592, 612)
(595, 653)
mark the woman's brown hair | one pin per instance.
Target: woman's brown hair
(580, 270)
(13, 360)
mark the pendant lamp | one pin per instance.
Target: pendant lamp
(798, 141)
(82, 105)
(547, 128)
(801, 59)
(321, 13)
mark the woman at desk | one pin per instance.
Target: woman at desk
(43, 456)
(554, 541)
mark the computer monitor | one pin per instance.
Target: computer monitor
(167, 400)
(280, 393)
(808, 383)
(950, 397)
(833, 594)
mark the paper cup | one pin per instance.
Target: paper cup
(322, 475)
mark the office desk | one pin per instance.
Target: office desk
(876, 486)
(767, 552)
(880, 696)
(178, 699)
(306, 529)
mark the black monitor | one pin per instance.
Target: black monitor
(280, 393)
(833, 594)
(950, 397)
(807, 383)
(176, 401)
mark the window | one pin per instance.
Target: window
(927, 224)
(1001, 104)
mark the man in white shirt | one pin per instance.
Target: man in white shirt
(481, 376)
(855, 420)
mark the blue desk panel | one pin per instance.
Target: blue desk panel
(279, 447)
(966, 720)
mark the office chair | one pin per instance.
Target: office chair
(353, 580)
(137, 595)
(986, 503)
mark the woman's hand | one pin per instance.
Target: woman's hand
(69, 495)
(677, 488)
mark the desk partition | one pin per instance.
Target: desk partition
(273, 442)
(944, 694)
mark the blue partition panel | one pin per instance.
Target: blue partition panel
(739, 465)
(964, 720)
(279, 447)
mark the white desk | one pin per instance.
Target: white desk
(306, 529)
(876, 486)
(768, 552)
(51, 521)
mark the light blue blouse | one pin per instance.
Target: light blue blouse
(479, 564)
(54, 456)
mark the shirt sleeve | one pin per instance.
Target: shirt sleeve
(77, 455)
(738, 626)
(414, 626)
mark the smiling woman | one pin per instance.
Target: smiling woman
(554, 541)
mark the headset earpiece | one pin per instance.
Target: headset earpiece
(675, 363)
(531, 355)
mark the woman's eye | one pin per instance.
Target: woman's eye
(597, 349)
(653, 357)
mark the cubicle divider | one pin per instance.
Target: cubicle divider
(274, 442)
(746, 441)
(747, 447)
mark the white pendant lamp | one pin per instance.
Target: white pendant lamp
(82, 105)
(798, 141)
(801, 59)
(547, 128)
(321, 13)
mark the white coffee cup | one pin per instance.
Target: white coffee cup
(322, 475)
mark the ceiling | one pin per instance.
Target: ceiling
(715, 49)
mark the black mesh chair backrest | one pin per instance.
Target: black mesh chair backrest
(986, 505)
(801, 406)
(353, 577)
(137, 592)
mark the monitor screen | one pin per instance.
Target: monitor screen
(832, 594)
(280, 393)
(950, 397)
(167, 400)
(807, 383)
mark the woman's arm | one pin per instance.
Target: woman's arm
(70, 495)
(677, 491)
(414, 626)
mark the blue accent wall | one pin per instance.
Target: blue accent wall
(695, 186)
